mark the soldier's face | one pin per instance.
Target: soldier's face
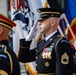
(45, 25)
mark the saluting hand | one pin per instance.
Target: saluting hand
(32, 32)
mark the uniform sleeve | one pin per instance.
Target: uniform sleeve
(64, 58)
(25, 54)
(4, 64)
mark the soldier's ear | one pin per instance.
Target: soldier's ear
(1, 30)
(52, 22)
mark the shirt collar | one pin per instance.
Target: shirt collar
(50, 35)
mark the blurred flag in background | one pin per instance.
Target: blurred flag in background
(68, 23)
(71, 16)
(23, 17)
(70, 8)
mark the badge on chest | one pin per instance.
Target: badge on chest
(47, 53)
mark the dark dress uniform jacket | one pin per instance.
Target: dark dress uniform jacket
(60, 55)
(8, 59)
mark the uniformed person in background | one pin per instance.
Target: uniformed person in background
(53, 55)
(9, 64)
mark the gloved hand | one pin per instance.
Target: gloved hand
(32, 32)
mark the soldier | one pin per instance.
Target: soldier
(53, 55)
(9, 64)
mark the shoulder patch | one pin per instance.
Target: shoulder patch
(63, 40)
(3, 56)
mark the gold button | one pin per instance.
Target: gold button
(2, 45)
(50, 39)
(36, 64)
(52, 15)
(47, 64)
(36, 57)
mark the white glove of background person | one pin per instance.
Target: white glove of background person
(32, 32)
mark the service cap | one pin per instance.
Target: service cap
(6, 22)
(53, 9)
(49, 12)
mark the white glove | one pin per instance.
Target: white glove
(32, 32)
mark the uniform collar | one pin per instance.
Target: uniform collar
(49, 36)
(4, 42)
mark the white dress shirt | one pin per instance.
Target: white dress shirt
(50, 35)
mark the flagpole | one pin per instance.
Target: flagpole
(60, 31)
(64, 30)
(69, 27)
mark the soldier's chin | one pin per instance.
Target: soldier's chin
(42, 31)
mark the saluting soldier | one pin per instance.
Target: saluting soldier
(53, 55)
(9, 64)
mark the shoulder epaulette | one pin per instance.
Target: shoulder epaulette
(61, 39)
(3, 49)
(59, 36)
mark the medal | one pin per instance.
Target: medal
(44, 53)
(47, 53)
